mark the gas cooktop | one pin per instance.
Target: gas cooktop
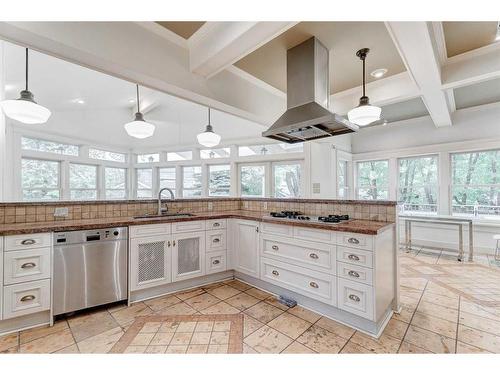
(296, 215)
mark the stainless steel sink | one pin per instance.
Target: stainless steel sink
(172, 215)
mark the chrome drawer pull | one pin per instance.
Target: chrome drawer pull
(353, 274)
(168, 243)
(313, 284)
(30, 297)
(216, 224)
(313, 256)
(354, 297)
(275, 273)
(216, 240)
(173, 243)
(29, 241)
(353, 240)
(28, 265)
(353, 257)
(216, 261)
(275, 247)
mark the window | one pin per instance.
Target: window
(83, 181)
(219, 180)
(270, 149)
(144, 183)
(286, 178)
(179, 155)
(342, 186)
(48, 146)
(253, 180)
(215, 153)
(418, 184)
(106, 155)
(40, 179)
(191, 182)
(115, 182)
(167, 178)
(148, 158)
(373, 180)
(476, 183)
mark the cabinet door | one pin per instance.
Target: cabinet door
(150, 262)
(246, 247)
(188, 255)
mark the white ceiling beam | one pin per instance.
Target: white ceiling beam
(415, 45)
(217, 45)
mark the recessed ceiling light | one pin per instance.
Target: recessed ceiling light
(378, 73)
(131, 100)
(78, 101)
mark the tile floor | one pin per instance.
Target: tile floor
(447, 307)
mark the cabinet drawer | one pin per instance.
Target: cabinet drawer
(316, 285)
(355, 256)
(215, 262)
(215, 240)
(358, 241)
(279, 229)
(355, 273)
(216, 224)
(356, 298)
(309, 254)
(26, 298)
(26, 265)
(149, 230)
(28, 241)
(314, 234)
(188, 226)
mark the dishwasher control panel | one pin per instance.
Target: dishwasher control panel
(72, 237)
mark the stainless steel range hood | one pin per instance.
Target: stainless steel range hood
(308, 95)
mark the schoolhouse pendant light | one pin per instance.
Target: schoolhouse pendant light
(364, 113)
(25, 109)
(208, 138)
(139, 128)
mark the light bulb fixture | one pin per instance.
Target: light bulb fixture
(364, 113)
(378, 73)
(25, 109)
(139, 128)
(208, 138)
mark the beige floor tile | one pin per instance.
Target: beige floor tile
(250, 325)
(435, 324)
(247, 349)
(204, 326)
(414, 282)
(220, 308)
(276, 303)
(201, 338)
(479, 310)
(219, 338)
(181, 338)
(11, 350)
(156, 349)
(305, 314)
(50, 343)
(72, 349)
(169, 327)
(237, 284)
(36, 333)
(212, 286)
(135, 349)
(263, 312)
(142, 339)
(102, 342)
(384, 344)
(463, 348)
(217, 349)
(242, 301)
(186, 327)
(352, 348)
(406, 313)
(197, 349)
(481, 323)
(116, 307)
(396, 328)
(479, 339)
(162, 302)
(90, 325)
(321, 340)
(297, 348)
(128, 314)
(9, 341)
(202, 301)
(224, 292)
(257, 293)
(222, 326)
(451, 302)
(438, 311)
(162, 338)
(429, 340)
(176, 349)
(151, 327)
(334, 327)
(290, 325)
(268, 340)
(184, 295)
(407, 348)
(178, 309)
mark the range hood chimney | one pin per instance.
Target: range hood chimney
(308, 97)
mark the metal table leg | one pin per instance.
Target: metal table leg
(471, 242)
(407, 249)
(409, 235)
(460, 243)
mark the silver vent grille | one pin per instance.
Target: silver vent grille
(151, 261)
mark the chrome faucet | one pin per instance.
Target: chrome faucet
(161, 210)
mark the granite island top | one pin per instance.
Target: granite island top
(354, 225)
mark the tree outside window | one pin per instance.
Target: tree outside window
(373, 180)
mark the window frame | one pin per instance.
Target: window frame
(105, 189)
(358, 186)
(208, 178)
(272, 193)
(97, 182)
(202, 178)
(59, 180)
(136, 183)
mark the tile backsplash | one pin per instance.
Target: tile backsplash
(11, 213)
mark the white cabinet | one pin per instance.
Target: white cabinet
(26, 298)
(150, 261)
(216, 240)
(215, 262)
(246, 247)
(188, 255)
(26, 265)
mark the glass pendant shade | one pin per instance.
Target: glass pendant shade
(139, 128)
(208, 138)
(365, 113)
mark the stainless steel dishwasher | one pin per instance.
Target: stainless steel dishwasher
(90, 268)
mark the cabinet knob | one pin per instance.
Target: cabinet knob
(314, 285)
(28, 241)
(354, 297)
(28, 265)
(216, 224)
(353, 257)
(353, 240)
(173, 243)
(215, 262)
(216, 240)
(275, 247)
(275, 273)
(313, 256)
(168, 243)
(353, 274)
(30, 297)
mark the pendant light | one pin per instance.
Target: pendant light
(364, 113)
(25, 109)
(208, 138)
(139, 128)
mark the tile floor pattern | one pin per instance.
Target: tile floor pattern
(447, 307)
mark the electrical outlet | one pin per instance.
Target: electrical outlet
(210, 206)
(61, 212)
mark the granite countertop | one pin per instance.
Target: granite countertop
(354, 225)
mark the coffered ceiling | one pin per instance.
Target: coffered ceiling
(184, 29)
(461, 37)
